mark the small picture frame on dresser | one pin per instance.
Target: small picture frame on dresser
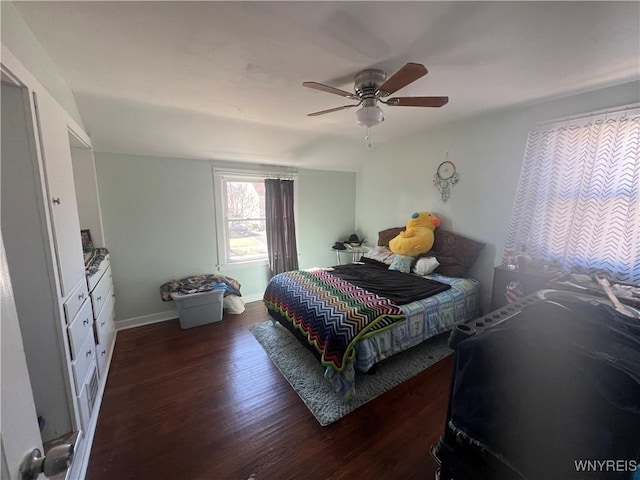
(87, 243)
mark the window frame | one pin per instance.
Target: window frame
(220, 178)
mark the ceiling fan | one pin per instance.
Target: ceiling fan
(372, 85)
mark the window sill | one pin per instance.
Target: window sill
(241, 265)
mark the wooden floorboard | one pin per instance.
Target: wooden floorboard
(207, 403)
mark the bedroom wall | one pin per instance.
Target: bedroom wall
(19, 38)
(158, 218)
(487, 150)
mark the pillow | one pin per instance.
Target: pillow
(455, 253)
(385, 236)
(381, 254)
(425, 265)
(402, 263)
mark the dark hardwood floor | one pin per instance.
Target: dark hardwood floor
(207, 403)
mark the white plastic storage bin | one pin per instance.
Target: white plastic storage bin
(197, 309)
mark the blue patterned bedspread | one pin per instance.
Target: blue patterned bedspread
(424, 319)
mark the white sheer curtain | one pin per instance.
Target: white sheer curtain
(578, 198)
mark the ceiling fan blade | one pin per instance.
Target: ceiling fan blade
(403, 77)
(417, 101)
(315, 114)
(326, 88)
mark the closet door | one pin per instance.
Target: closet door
(56, 151)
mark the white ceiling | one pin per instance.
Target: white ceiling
(223, 79)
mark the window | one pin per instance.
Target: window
(578, 199)
(240, 215)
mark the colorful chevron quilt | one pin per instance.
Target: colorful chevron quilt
(330, 312)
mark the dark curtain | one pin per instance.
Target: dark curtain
(281, 228)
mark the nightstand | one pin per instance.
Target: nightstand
(355, 252)
(530, 281)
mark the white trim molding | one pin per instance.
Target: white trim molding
(145, 320)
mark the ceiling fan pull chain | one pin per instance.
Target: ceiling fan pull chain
(368, 137)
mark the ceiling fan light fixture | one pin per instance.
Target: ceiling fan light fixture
(370, 116)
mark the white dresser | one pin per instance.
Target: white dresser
(79, 317)
(100, 287)
(90, 330)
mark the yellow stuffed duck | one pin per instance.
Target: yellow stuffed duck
(418, 237)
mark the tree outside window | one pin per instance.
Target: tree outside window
(245, 220)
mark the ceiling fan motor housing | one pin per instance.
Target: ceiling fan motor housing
(367, 82)
(366, 85)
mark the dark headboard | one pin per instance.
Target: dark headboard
(456, 253)
(384, 236)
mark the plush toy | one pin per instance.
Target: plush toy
(418, 237)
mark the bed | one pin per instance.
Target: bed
(354, 316)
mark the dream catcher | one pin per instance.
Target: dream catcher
(445, 178)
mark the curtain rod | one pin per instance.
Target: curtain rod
(271, 171)
(281, 177)
(595, 113)
(257, 173)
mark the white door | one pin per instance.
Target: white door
(20, 433)
(61, 189)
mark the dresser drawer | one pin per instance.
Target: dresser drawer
(100, 294)
(92, 280)
(87, 398)
(79, 328)
(83, 402)
(74, 302)
(102, 352)
(104, 322)
(85, 359)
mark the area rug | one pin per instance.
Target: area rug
(304, 372)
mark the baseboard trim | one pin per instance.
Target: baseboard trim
(253, 298)
(145, 320)
(164, 316)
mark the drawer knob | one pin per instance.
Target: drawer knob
(56, 200)
(88, 354)
(81, 296)
(85, 322)
(99, 298)
(104, 353)
(102, 324)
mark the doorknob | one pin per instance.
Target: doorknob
(57, 461)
